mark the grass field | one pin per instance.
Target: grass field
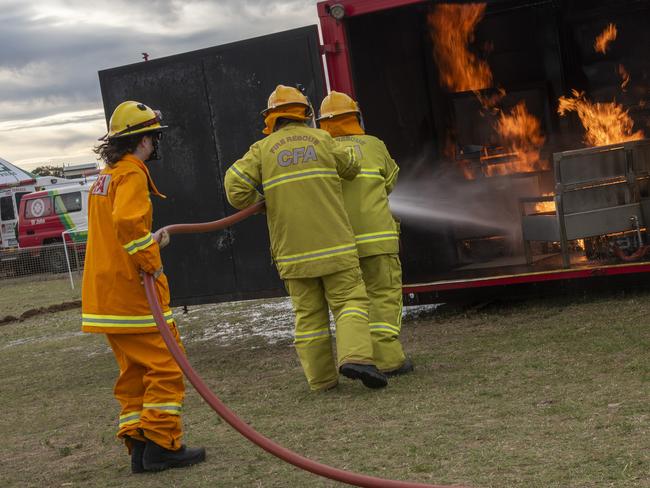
(19, 295)
(547, 393)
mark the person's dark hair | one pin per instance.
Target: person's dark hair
(112, 150)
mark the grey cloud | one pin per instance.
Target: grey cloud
(67, 143)
(72, 57)
(68, 119)
(54, 67)
(143, 11)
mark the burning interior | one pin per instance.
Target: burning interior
(520, 129)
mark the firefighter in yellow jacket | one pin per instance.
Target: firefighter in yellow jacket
(297, 170)
(120, 249)
(375, 231)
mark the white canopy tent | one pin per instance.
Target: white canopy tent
(11, 175)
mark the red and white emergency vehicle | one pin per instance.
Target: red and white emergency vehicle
(54, 215)
(10, 203)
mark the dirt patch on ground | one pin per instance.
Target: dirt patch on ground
(32, 312)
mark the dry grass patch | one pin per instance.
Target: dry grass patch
(542, 394)
(22, 294)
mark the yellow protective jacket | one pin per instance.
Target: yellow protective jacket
(298, 171)
(366, 197)
(120, 245)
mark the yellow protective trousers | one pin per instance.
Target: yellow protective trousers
(150, 388)
(382, 275)
(345, 295)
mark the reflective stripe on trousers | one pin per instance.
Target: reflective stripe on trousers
(149, 388)
(382, 275)
(344, 293)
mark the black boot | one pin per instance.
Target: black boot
(137, 450)
(405, 368)
(158, 458)
(369, 375)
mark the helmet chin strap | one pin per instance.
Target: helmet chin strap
(361, 123)
(154, 156)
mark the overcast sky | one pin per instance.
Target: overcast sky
(51, 50)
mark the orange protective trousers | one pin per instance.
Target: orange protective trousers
(150, 388)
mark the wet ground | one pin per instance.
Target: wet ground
(269, 319)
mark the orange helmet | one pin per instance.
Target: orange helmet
(286, 95)
(337, 103)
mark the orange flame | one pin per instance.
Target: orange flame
(605, 123)
(452, 29)
(624, 75)
(542, 207)
(604, 38)
(520, 132)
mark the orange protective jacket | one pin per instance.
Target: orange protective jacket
(120, 245)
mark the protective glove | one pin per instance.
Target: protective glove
(164, 238)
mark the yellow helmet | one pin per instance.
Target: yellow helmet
(133, 118)
(337, 103)
(286, 95)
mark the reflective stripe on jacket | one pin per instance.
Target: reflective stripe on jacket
(366, 197)
(298, 171)
(120, 245)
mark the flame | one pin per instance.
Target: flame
(605, 123)
(520, 139)
(624, 75)
(604, 38)
(503, 164)
(468, 172)
(545, 207)
(451, 30)
(489, 101)
(520, 133)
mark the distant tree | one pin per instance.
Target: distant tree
(48, 170)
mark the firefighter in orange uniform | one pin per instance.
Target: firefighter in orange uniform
(376, 232)
(120, 249)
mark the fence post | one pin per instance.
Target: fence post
(67, 257)
(79, 229)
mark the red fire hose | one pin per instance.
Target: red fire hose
(218, 406)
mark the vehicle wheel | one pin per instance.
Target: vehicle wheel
(56, 262)
(7, 268)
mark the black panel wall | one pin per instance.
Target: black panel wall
(211, 100)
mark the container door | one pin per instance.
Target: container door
(211, 99)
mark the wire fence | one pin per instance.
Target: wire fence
(40, 262)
